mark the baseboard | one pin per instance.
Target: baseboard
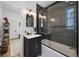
(14, 38)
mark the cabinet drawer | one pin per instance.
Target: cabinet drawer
(32, 47)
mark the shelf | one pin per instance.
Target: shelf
(6, 40)
(6, 34)
(6, 27)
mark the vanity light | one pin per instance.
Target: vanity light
(40, 16)
(52, 19)
(66, 1)
(71, 3)
(34, 13)
(44, 17)
(25, 11)
(30, 12)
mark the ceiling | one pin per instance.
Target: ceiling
(45, 3)
(29, 4)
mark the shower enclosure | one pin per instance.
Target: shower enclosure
(58, 25)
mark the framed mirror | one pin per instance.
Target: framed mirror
(29, 20)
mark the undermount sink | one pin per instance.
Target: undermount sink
(32, 36)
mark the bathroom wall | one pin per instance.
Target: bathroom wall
(23, 19)
(17, 14)
(23, 28)
(1, 25)
(13, 16)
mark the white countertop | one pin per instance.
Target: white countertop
(32, 36)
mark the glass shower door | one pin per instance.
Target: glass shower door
(60, 25)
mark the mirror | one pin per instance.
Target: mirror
(42, 23)
(29, 20)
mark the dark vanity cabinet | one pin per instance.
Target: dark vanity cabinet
(32, 47)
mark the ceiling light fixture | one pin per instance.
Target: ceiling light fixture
(52, 19)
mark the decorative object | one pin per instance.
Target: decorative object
(5, 42)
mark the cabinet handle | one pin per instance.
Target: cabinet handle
(35, 45)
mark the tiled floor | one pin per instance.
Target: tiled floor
(15, 47)
(8, 53)
(13, 43)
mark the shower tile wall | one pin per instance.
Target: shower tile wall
(61, 32)
(57, 31)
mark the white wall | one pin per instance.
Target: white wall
(1, 24)
(13, 17)
(23, 28)
(23, 19)
(16, 15)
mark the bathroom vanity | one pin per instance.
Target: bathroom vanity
(32, 45)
